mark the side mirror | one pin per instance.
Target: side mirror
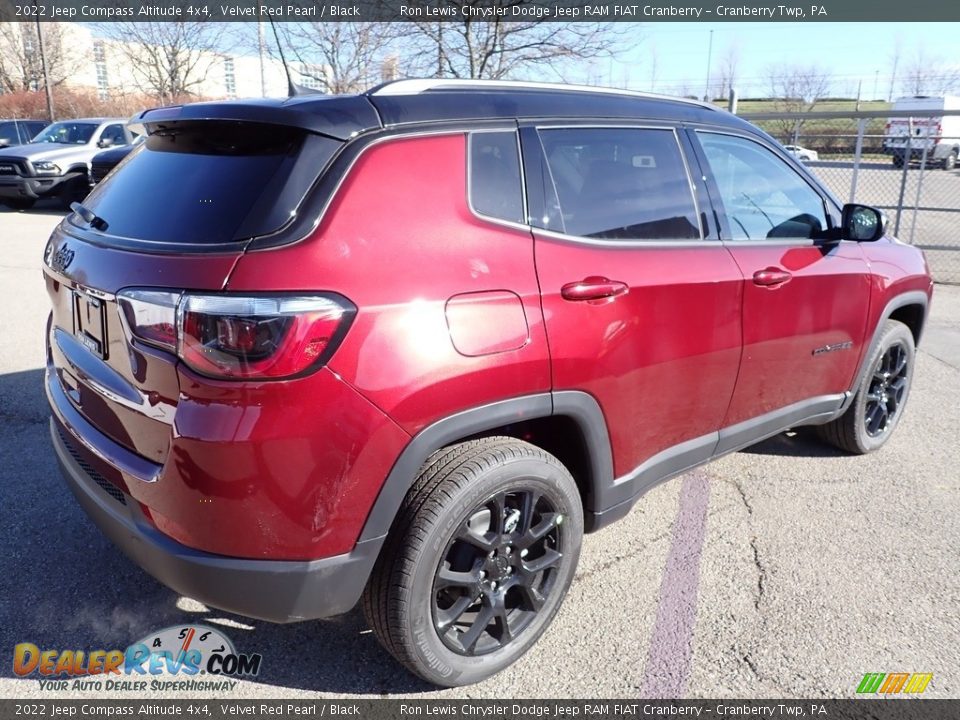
(863, 223)
(105, 142)
(5, 142)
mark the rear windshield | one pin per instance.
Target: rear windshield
(209, 182)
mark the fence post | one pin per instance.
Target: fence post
(923, 166)
(908, 151)
(861, 127)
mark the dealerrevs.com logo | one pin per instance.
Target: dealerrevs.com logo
(182, 658)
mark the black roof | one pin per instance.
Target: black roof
(424, 101)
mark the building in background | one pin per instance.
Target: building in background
(80, 60)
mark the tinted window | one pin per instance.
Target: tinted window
(762, 196)
(8, 132)
(495, 188)
(210, 182)
(67, 133)
(621, 183)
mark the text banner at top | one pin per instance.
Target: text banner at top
(852, 11)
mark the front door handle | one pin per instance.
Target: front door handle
(771, 277)
(594, 287)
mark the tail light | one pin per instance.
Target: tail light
(243, 337)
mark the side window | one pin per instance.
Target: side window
(114, 133)
(495, 188)
(621, 183)
(762, 196)
(35, 129)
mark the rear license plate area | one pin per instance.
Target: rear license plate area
(90, 323)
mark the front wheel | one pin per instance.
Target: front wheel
(950, 162)
(881, 396)
(480, 558)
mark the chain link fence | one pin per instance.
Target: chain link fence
(900, 162)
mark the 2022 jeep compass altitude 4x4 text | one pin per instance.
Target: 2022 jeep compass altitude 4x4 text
(408, 346)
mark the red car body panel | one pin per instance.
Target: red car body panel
(823, 303)
(667, 349)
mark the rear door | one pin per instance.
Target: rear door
(805, 298)
(641, 300)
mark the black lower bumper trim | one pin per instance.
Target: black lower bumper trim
(273, 590)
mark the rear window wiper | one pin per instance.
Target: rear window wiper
(93, 220)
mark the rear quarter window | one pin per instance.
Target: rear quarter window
(495, 187)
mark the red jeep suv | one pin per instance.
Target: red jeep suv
(408, 346)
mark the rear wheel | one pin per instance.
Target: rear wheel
(881, 396)
(950, 162)
(479, 560)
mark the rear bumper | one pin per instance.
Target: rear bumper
(273, 590)
(276, 591)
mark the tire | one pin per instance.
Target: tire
(19, 203)
(950, 162)
(74, 191)
(898, 161)
(431, 591)
(881, 396)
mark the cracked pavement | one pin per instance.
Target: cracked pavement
(787, 569)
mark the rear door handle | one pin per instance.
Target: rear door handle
(771, 277)
(594, 287)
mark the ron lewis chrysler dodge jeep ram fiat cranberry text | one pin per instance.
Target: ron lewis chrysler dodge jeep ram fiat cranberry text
(408, 346)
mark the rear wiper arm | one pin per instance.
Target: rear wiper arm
(93, 220)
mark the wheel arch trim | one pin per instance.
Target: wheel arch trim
(911, 297)
(579, 406)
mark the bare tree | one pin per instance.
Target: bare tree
(926, 75)
(342, 57)
(654, 61)
(168, 60)
(796, 89)
(493, 49)
(894, 65)
(729, 64)
(20, 68)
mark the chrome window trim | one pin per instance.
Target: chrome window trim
(523, 184)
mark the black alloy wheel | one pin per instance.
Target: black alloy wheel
(498, 571)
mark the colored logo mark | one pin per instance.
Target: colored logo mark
(888, 683)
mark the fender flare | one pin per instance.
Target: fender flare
(911, 297)
(581, 407)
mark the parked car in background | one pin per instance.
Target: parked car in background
(56, 163)
(104, 162)
(908, 138)
(802, 154)
(19, 132)
(409, 345)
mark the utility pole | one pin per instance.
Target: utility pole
(43, 67)
(706, 87)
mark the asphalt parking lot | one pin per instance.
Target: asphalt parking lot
(786, 570)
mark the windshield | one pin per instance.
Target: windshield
(67, 133)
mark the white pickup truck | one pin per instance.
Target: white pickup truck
(907, 137)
